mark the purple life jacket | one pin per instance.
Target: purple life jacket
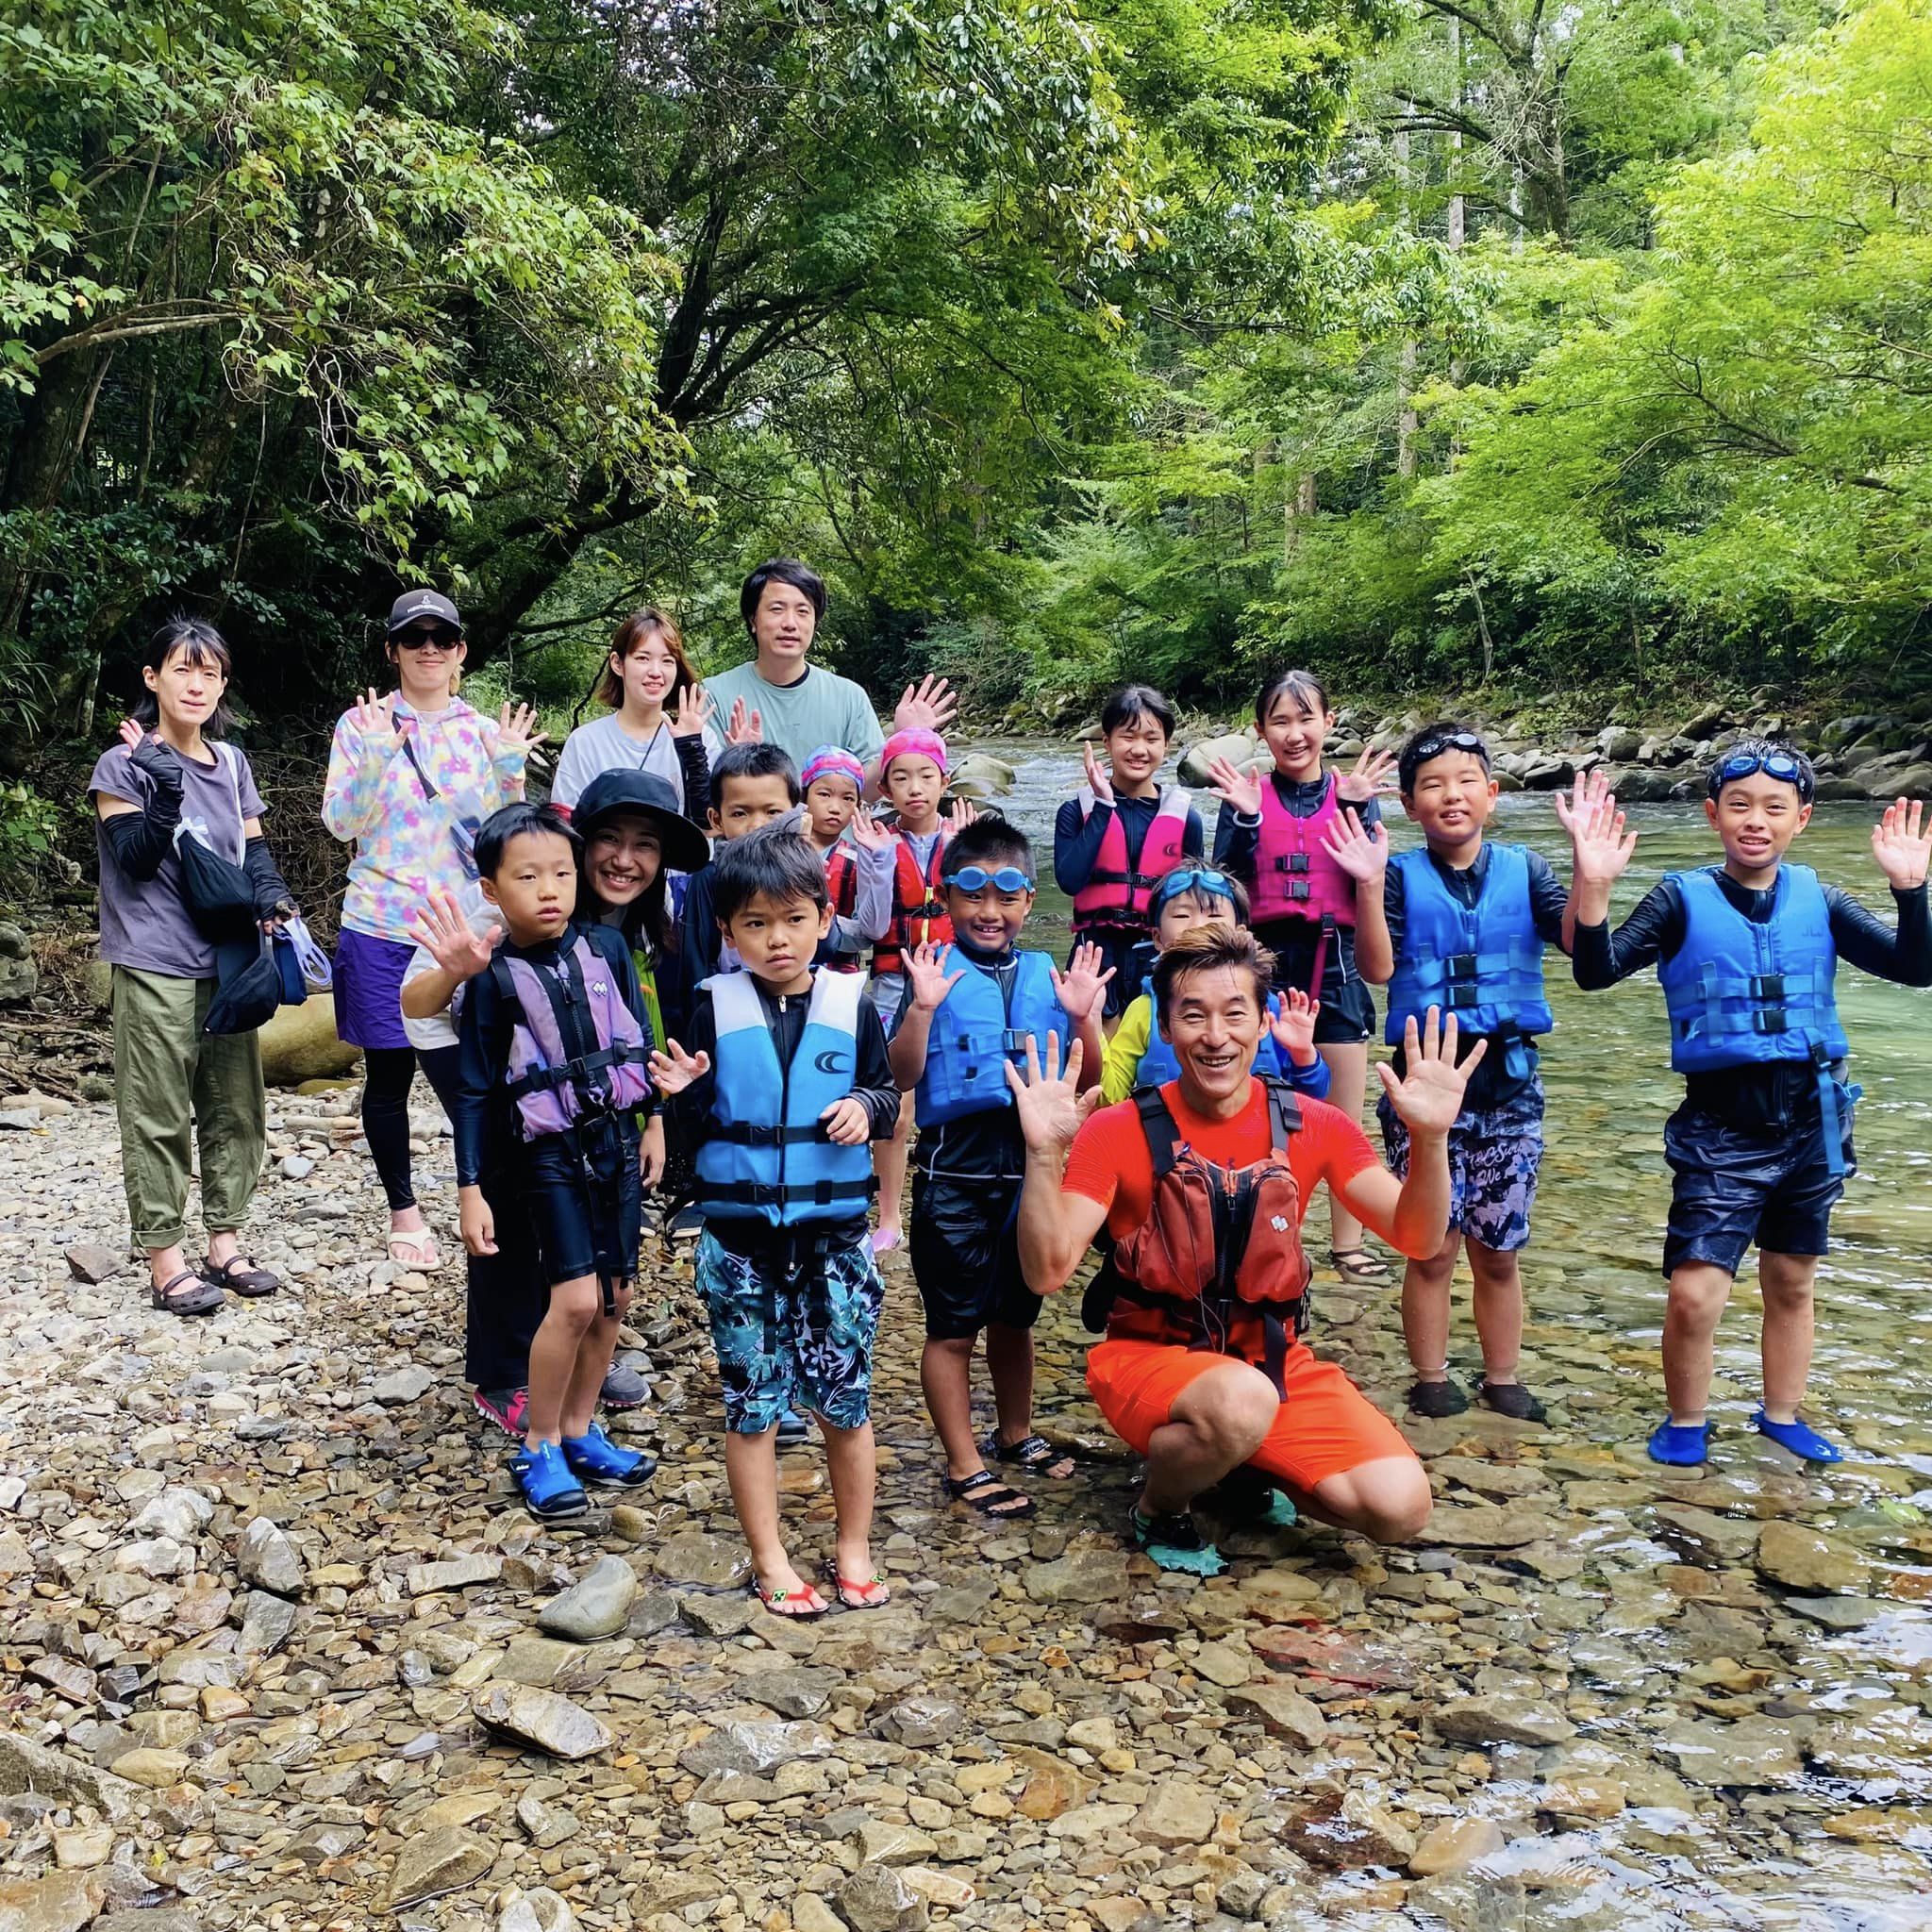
(576, 1049)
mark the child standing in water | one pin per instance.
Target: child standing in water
(1272, 835)
(1115, 842)
(1747, 953)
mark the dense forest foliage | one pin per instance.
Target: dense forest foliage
(1440, 343)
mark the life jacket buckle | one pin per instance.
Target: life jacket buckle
(1769, 1020)
(1301, 889)
(1456, 996)
(1768, 986)
(1460, 967)
(1296, 861)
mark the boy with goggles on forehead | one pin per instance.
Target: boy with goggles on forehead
(1747, 952)
(968, 1011)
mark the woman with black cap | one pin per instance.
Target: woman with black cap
(410, 777)
(634, 838)
(181, 1089)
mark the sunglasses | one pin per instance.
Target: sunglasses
(1438, 742)
(1193, 878)
(976, 878)
(1786, 766)
(427, 641)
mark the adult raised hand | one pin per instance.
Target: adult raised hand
(928, 706)
(695, 711)
(745, 726)
(1099, 782)
(1429, 1096)
(1241, 789)
(373, 715)
(1048, 1101)
(673, 1069)
(1083, 985)
(1902, 852)
(149, 753)
(440, 929)
(1369, 777)
(925, 967)
(517, 733)
(1361, 851)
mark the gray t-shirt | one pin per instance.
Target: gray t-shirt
(144, 923)
(604, 746)
(821, 709)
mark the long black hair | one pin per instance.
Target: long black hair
(647, 917)
(201, 644)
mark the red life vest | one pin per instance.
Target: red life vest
(842, 882)
(1119, 892)
(919, 909)
(1294, 876)
(1218, 1263)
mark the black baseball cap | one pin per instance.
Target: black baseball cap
(412, 607)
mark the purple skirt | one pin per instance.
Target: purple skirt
(369, 988)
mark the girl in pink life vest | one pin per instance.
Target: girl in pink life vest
(1123, 833)
(1272, 835)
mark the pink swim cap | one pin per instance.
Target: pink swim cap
(915, 743)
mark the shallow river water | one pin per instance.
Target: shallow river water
(1679, 1652)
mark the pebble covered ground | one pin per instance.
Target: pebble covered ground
(277, 1650)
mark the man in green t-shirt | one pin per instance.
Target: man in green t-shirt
(800, 707)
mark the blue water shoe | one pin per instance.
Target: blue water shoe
(1176, 1543)
(1801, 1438)
(593, 1457)
(549, 1488)
(1684, 1444)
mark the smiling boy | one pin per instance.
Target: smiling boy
(1747, 952)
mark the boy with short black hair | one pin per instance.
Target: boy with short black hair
(752, 786)
(1459, 925)
(785, 1083)
(970, 1008)
(1747, 952)
(553, 1048)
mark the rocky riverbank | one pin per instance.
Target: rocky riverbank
(279, 1652)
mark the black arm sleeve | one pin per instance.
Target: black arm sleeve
(1235, 843)
(477, 1076)
(1654, 928)
(1395, 908)
(701, 939)
(694, 766)
(1859, 934)
(1194, 837)
(271, 894)
(143, 839)
(690, 1111)
(1548, 896)
(873, 1084)
(1076, 842)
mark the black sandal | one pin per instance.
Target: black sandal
(1358, 1267)
(231, 1273)
(984, 1491)
(1034, 1454)
(203, 1298)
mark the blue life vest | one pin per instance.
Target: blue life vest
(977, 1031)
(766, 1155)
(1158, 1064)
(1742, 992)
(1483, 962)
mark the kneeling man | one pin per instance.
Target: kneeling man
(1202, 1183)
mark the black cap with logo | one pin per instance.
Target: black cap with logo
(415, 606)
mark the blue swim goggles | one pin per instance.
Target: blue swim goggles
(1192, 878)
(976, 878)
(1788, 767)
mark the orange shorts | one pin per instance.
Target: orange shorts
(1325, 1426)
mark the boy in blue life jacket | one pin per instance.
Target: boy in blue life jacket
(968, 1009)
(553, 1046)
(1747, 952)
(783, 1084)
(1459, 925)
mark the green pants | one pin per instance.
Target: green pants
(171, 1077)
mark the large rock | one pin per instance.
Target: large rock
(1177, 1813)
(1751, 1753)
(754, 1748)
(1195, 759)
(19, 976)
(268, 1559)
(876, 1899)
(299, 1043)
(696, 1556)
(1087, 1577)
(436, 1862)
(1345, 1830)
(1500, 1718)
(980, 774)
(1285, 1713)
(1618, 743)
(542, 1718)
(1455, 1844)
(1805, 1559)
(61, 1902)
(598, 1604)
(25, 1766)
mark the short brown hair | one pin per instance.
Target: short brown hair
(637, 629)
(1208, 949)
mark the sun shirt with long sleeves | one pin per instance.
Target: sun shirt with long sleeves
(375, 797)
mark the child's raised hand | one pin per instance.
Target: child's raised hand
(442, 932)
(1598, 838)
(961, 814)
(744, 727)
(867, 831)
(695, 711)
(928, 706)
(1369, 775)
(1083, 985)
(674, 1069)
(1293, 1028)
(1361, 852)
(1098, 782)
(1241, 789)
(1902, 851)
(925, 967)
(847, 1123)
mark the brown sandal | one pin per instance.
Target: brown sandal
(203, 1298)
(233, 1274)
(1358, 1267)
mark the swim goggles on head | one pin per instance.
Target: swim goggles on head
(1788, 767)
(1193, 879)
(1437, 742)
(976, 878)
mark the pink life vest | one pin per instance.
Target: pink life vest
(1117, 892)
(1294, 877)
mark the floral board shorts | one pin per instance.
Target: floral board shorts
(793, 1330)
(1493, 1159)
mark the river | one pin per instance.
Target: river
(1666, 1633)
